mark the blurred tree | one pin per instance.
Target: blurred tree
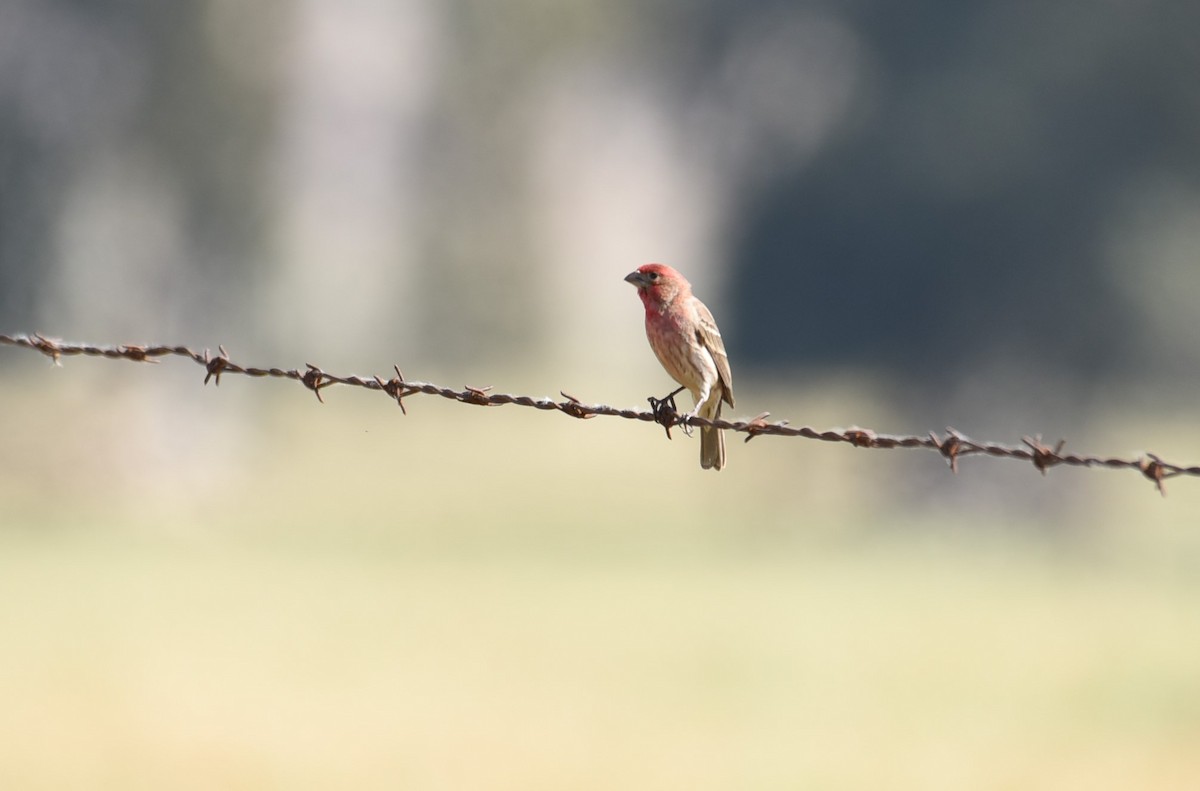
(967, 206)
(110, 105)
(919, 185)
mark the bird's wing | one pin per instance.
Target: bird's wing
(710, 338)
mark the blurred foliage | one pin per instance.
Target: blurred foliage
(870, 185)
(970, 205)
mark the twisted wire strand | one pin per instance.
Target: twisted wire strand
(953, 445)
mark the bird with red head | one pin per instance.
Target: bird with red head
(685, 338)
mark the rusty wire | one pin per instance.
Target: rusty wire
(953, 445)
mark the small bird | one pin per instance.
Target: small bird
(685, 338)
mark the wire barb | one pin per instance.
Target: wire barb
(950, 447)
(1156, 470)
(574, 407)
(314, 379)
(215, 366)
(46, 347)
(1043, 457)
(953, 446)
(396, 388)
(860, 437)
(477, 395)
(759, 425)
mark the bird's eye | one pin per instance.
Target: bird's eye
(654, 275)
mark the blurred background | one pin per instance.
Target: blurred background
(903, 216)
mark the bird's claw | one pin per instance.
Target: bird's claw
(666, 414)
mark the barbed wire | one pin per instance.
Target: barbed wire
(953, 445)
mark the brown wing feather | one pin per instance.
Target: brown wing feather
(710, 338)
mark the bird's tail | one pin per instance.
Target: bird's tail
(712, 443)
(712, 448)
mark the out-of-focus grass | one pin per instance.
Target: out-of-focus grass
(251, 591)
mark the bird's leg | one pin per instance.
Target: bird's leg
(701, 398)
(666, 414)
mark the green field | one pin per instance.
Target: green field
(243, 589)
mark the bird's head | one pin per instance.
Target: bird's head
(658, 284)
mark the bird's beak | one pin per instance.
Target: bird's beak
(637, 279)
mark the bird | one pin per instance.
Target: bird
(685, 338)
